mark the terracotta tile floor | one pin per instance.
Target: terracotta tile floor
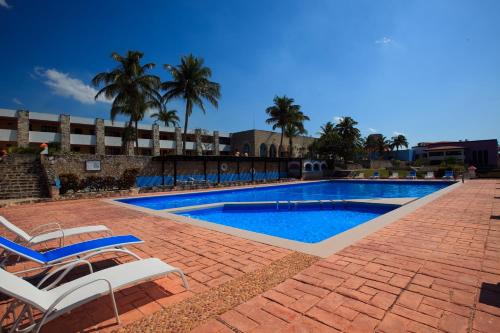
(437, 269)
(208, 258)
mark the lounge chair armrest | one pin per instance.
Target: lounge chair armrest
(44, 228)
(69, 292)
(65, 270)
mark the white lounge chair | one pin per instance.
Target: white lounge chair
(429, 175)
(394, 175)
(54, 301)
(49, 231)
(412, 175)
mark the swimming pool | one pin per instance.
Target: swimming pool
(309, 223)
(323, 190)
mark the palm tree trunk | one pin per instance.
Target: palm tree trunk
(281, 143)
(136, 138)
(290, 141)
(186, 118)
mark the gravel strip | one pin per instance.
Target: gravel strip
(194, 311)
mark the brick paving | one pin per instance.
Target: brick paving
(435, 270)
(208, 258)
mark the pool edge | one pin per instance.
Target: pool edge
(324, 248)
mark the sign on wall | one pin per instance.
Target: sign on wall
(93, 165)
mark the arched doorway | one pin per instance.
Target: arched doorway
(272, 151)
(263, 150)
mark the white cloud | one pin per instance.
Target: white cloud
(3, 3)
(337, 119)
(17, 101)
(384, 40)
(372, 130)
(63, 85)
(396, 133)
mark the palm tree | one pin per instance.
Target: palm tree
(136, 115)
(191, 82)
(399, 141)
(295, 127)
(281, 114)
(327, 129)
(129, 86)
(350, 135)
(167, 117)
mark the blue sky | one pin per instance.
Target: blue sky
(428, 69)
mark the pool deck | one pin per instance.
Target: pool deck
(436, 269)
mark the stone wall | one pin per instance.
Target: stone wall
(111, 165)
(23, 129)
(150, 171)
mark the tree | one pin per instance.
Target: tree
(138, 114)
(295, 127)
(191, 83)
(130, 88)
(281, 114)
(399, 141)
(350, 136)
(167, 117)
(329, 144)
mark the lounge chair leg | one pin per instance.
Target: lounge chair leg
(19, 319)
(184, 280)
(115, 308)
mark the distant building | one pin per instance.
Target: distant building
(266, 144)
(480, 153)
(22, 128)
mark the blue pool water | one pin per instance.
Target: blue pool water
(310, 224)
(326, 190)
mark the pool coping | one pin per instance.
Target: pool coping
(324, 248)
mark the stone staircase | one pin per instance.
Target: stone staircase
(21, 176)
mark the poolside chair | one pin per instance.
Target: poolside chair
(49, 231)
(360, 175)
(429, 175)
(394, 175)
(61, 255)
(376, 175)
(53, 301)
(412, 175)
(448, 174)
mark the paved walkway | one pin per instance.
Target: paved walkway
(208, 258)
(436, 270)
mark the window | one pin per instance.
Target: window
(485, 157)
(224, 140)
(47, 128)
(474, 156)
(246, 149)
(480, 157)
(453, 153)
(435, 154)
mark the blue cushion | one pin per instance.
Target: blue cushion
(70, 250)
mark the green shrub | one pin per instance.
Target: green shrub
(69, 181)
(22, 150)
(128, 178)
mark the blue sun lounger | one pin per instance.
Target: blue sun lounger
(448, 174)
(79, 251)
